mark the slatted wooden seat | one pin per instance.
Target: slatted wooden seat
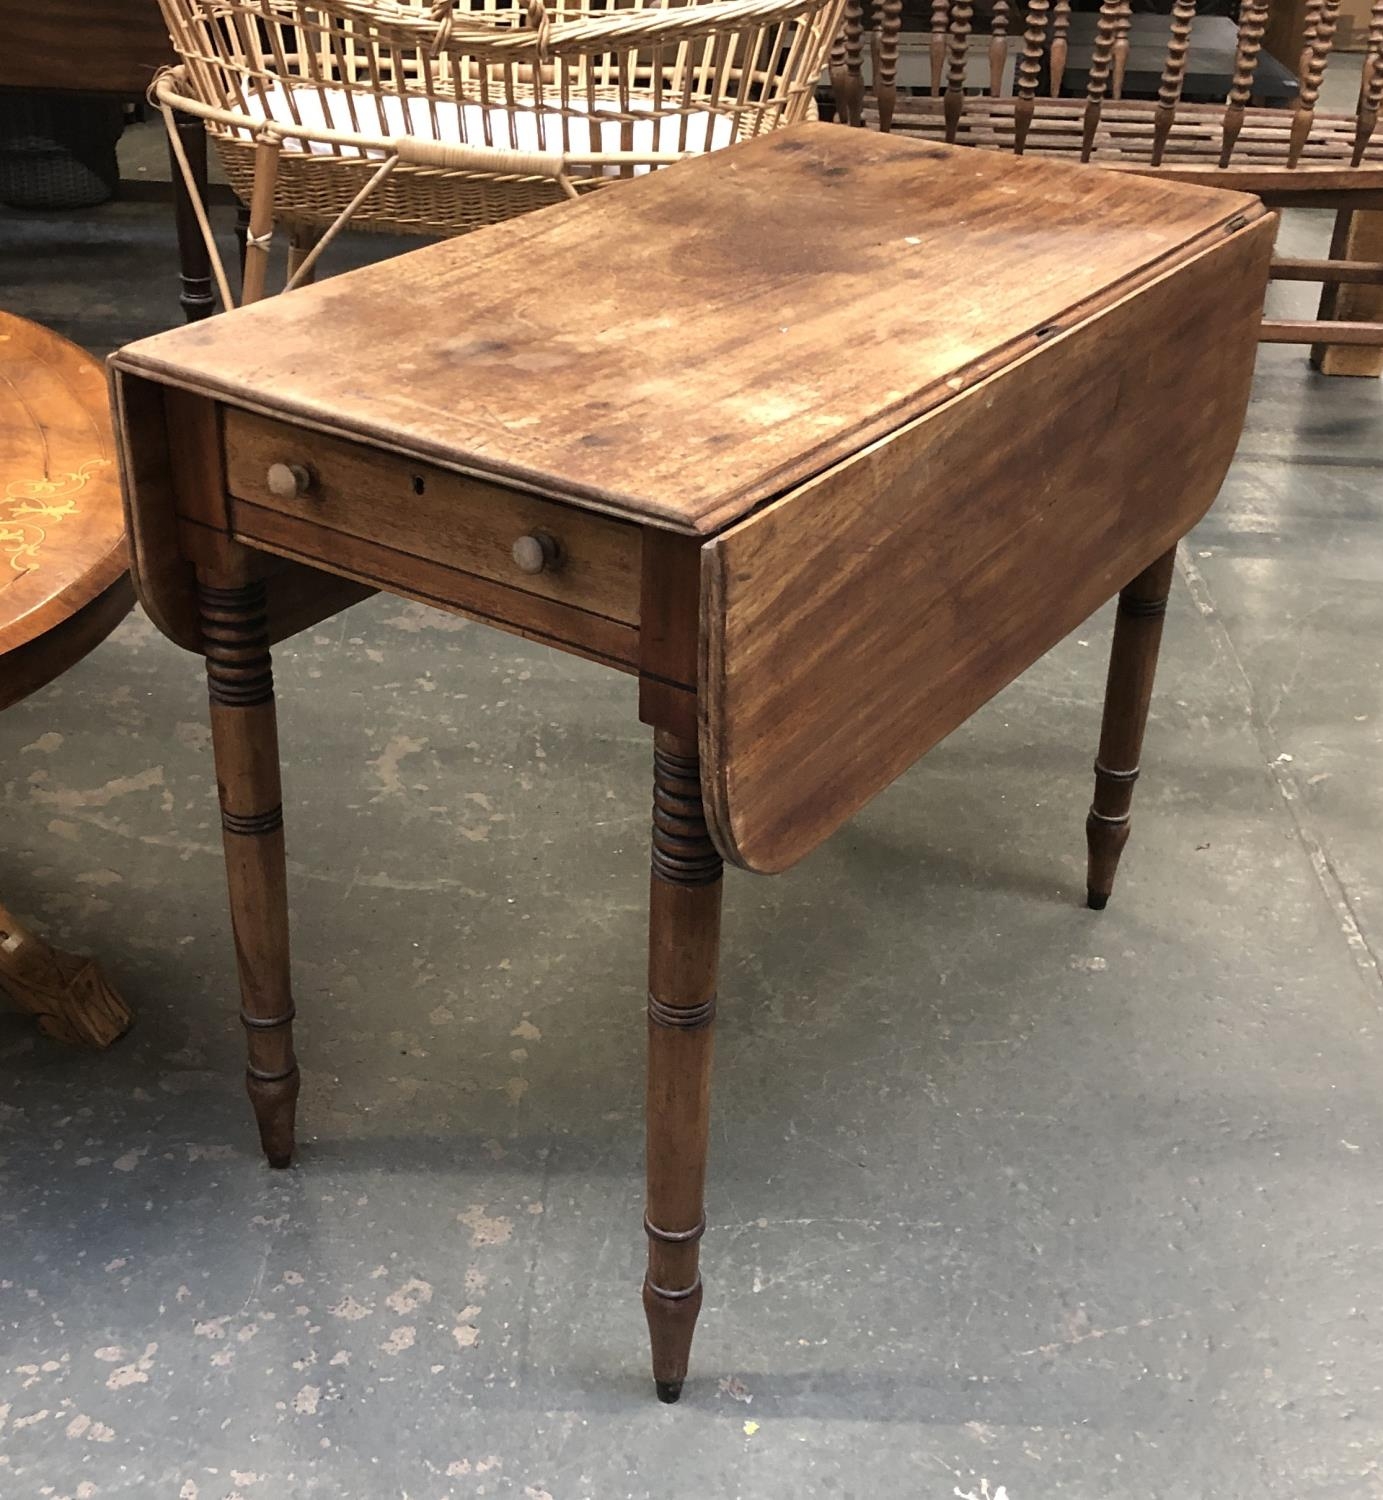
(1304, 156)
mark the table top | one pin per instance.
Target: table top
(680, 349)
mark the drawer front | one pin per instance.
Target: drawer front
(558, 552)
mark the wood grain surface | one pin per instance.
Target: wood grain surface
(62, 534)
(380, 566)
(431, 513)
(160, 559)
(104, 46)
(853, 624)
(700, 340)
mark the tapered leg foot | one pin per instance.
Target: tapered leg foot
(671, 1324)
(1128, 692)
(244, 736)
(275, 1103)
(683, 955)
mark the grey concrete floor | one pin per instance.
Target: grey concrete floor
(1008, 1199)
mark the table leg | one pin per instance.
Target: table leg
(1128, 691)
(1358, 236)
(194, 263)
(683, 952)
(244, 735)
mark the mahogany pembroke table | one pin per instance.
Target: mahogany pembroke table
(823, 439)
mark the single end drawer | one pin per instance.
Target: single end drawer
(556, 551)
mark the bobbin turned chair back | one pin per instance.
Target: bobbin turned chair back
(440, 117)
(1301, 155)
(1203, 141)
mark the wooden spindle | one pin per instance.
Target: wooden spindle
(1370, 86)
(1029, 71)
(961, 13)
(1097, 80)
(998, 47)
(941, 19)
(683, 957)
(1253, 18)
(1173, 76)
(835, 68)
(886, 69)
(1316, 56)
(1124, 13)
(1310, 24)
(850, 99)
(1061, 30)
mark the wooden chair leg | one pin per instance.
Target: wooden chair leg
(302, 240)
(847, 81)
(683, 953)
(244, 733)
(888, 25)
(69, 995)
(197, 299)
(1358, 235)
(1128, 691)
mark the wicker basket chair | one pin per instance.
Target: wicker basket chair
(1291, 157)
(438, 118)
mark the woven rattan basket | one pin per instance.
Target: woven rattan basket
(440, 118)
(58, 151)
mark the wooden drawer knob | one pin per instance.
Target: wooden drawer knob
(288, 481)
(535, 552)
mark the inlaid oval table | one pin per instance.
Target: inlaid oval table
(823, 439)
(64, 586)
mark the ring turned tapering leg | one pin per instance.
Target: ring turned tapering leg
(1132, 665)
(244, 733)
(683, 952)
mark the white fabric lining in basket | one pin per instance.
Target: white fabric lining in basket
(515, 130)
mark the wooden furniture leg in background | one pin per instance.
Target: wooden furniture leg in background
(194, 263)
(1358, 236)
(70, 996)
(302, 241)
(1128, 691)
(242, 236)
(683, 953)
(244, 735)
